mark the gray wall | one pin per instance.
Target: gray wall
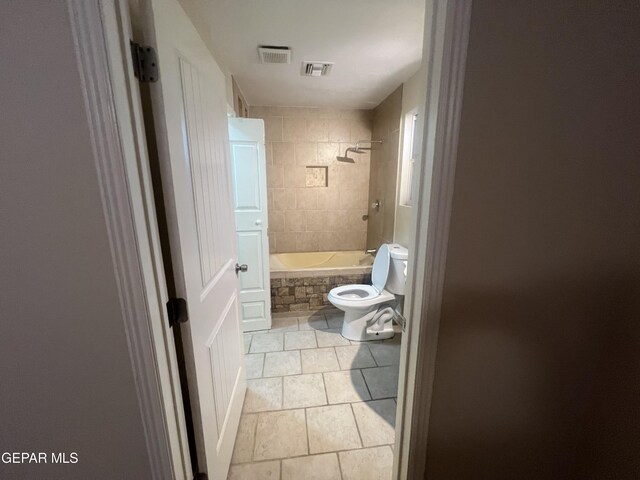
(383, 176)
(66, 383)
(538, 362)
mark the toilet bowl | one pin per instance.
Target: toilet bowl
(369, 309)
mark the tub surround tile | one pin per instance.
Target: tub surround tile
(283, 199)
(367, 464)
(277, 364)
(273, 128)
(346, 386)
(296, 138)
(332, 428)
(276, 221)
(280, 435)
(283, 153)
(293, 130)
(306, 153)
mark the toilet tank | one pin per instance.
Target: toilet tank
(397, 278)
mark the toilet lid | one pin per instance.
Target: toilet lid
(380, 270)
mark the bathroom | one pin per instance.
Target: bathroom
(321, 391)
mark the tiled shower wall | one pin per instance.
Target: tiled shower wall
(384, 170)
(305, 218)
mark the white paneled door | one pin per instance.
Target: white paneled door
(190, 115)
(246, 136)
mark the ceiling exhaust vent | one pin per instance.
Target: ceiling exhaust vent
(316, 69)
(273, 54)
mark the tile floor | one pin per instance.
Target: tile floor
(318, 406)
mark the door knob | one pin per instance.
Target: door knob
(241, 268)
(258, 222)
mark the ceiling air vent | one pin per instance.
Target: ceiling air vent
(316, 69)
(272, 54)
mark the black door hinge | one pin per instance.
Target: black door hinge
(177, 311)
(145, 62)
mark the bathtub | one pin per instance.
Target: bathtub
(279, 262)
(301, 281)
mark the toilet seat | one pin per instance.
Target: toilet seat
(357, 295)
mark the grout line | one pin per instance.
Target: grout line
(255, 435)
(339, 466)
(366, 384)
(344, 450)
(318, 406)
(353, 412)
(306, 424)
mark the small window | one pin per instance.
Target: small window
(409, 153)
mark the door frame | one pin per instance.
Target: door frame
(446, 36)
(120, 154)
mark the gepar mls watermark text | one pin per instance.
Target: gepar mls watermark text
(40, 457)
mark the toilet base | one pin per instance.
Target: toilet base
(354, 327)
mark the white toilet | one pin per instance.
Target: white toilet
(369, 309)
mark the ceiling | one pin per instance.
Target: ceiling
(375, 44)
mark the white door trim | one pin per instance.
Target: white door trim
(445, 48)
(119, 151)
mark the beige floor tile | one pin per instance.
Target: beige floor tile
(263, 394)
(355, 356)
(255, 471)
(316, 322)
(345, 386)
(266, 342)
(332, 428)
(284, 324)
(299, 340)
(335, 320)
(367, 464)
(382, 381)
(280, 435)
(302, 391)
(376, 421)
(330, 338)
(386, 353)
(243, 448)
(319, 360)
(277, 364)
(247, 341)
(312, 467)
(253, 363)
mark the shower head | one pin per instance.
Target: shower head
(357, 149)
